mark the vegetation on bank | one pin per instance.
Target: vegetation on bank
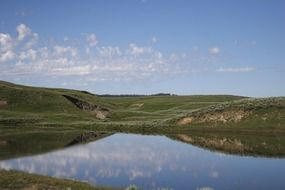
(253, 112)
(12, 180)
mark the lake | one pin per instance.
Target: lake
(154, 162)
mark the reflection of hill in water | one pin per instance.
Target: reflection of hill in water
(153, 162)
(252, 145)
(25, 144)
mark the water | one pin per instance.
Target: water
(154, 162)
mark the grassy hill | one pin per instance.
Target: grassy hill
(46, 106)
(249, 112)
(33, 99)
(23, 104)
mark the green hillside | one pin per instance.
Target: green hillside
(249, 112)
(23, 104)
(30, 104)
(33, 99)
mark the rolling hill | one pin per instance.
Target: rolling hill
(22, 105)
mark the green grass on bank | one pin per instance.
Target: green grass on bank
(12, 180)
(245, 113)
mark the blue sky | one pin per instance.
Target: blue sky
(145, 46)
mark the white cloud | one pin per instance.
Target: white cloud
(158, 55)
(136, 50)
(61, 66)
(87, 50)
(6, 42)
(43, 52)
(30, 55)
(214, 50)
(91, 40)
(61, 50)
(96, 64)
(109, 51)
(23, 31)
(6, 48)
(25, 34)
(235, 70)
(153, 39)
(73, 70)
(7, 56)
(105, 63)
(34, 37)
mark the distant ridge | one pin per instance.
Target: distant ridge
(135, 95)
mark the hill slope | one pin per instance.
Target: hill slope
(24, 104)
(253, 112)
(46, 104)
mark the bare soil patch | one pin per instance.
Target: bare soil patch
(3, 103)
(185, 121)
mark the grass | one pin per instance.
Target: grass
(12, 180)
(250, 112)
(46, 106)
(43, 104)
(161, 103)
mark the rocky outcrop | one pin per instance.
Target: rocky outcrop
(81, 104)
(99, 112)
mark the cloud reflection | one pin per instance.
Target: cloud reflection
(150, 162)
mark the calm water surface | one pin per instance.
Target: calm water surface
(154, 162)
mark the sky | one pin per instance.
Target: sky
(145, 46)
